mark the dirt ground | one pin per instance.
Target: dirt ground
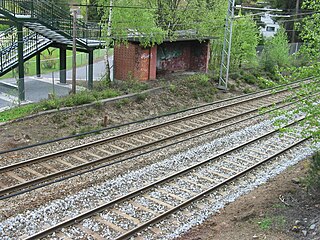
(280, 209)
(177, 94)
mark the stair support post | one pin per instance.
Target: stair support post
(90, 70)
(21, 88)
(38, 64)
(63, 65)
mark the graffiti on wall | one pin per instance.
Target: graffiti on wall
(165, 53)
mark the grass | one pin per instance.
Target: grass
(57, 103)
(200, 87)
(16, 112)
(265, 224)
(53, 61)
(269, 222)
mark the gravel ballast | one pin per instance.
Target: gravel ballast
(34, 220)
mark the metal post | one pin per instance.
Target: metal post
(90, 72)
(293, 37)
(74, 53)
(226, 52)
(38, 64)
(53, 88)
(63, 65)
(21, 88)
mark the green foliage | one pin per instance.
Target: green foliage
(139, 22)
(310, 30)
(200, 87)
(3, 27)
(91, 12)
(172, 88)
(49, 59)
(265, 83)
(141, 97)
(309, 101)
(200, 79)
(302, 72)
(132, 86)
(249, 78)
(247, 90)
(16, 112)
(268, 222)
(57, 103)
(313, 178)
(245, 39)
(275, 52)
(63, 4)
(122, 102)
(265, 224)
(153, 21)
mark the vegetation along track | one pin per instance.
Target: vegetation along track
(139, 210)
(33, 173)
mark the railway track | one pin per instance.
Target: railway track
(34, 173)
(139, 210)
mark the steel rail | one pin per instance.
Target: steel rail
(98, 142)
(8, 192)
(89, 213)
(39, 182)
(164, 215)
(31, 183)
(153, 118)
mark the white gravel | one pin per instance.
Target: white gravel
(53, 147)
(245, 185)
(50, 214)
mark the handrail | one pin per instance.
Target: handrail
(7, 32)
(9, 54)
(54, 16)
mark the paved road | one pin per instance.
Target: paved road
(39, 88)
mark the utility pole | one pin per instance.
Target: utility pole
(227, 44)
(226, 51)
(293, 38)
(74, 52)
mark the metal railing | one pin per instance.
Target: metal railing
(32, 43)
(52, 15)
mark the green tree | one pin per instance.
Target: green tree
(63, 4)
(276, 52)
(309, 105)
(310, 30)
(153, 21)
(90, 11)
(245, 39)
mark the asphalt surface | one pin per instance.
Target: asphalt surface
(38, 89)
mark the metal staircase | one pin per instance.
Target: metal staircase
(33, 43)
(40, 24)
(43, 23)
(52, 22)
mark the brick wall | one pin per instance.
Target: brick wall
(183, 56)
(200, 54)
(133, 61)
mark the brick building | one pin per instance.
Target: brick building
(134, 61)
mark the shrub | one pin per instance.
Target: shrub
(249, 78)
(313, 179)
(265, 83)
(276, 52)
(141, 97)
